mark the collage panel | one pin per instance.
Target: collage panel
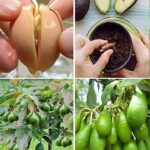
(74, 74)
(112, 114)
(112, 38)
(36, 114)
(36, 39)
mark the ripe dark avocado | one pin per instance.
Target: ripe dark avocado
(81, 9)
(121, 6)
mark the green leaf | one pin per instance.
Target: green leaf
(128, 82)
(80, 105)
(46, 88)
(66, 86)
(145, 85)
(107, 91)
(91, 96)
(37, 133)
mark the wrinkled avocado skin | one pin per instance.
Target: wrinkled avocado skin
(81, 9)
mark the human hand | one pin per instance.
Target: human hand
(64, 7)
(142, 68)
(9, 10)
(83, 65)
(66, 38)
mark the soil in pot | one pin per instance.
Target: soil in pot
(121, 44)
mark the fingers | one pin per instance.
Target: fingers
(64, 7)
(66, 43)
(145, 39)
(103, 60)
(139, 47)
(9, 9)
(5, 26)
(92, 45)
(123, 73)
(8, 56)
(25, 2)
(80, 41)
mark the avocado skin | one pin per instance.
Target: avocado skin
(81, 9)
(126, 9)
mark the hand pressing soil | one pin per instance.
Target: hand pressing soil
(119, 41)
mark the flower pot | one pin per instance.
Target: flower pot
(115, 30)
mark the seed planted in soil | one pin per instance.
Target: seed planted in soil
(118, 40)
(107, 47)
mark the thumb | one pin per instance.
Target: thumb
(9, 9)
(66, 43)
(123, 73)
(103, 60)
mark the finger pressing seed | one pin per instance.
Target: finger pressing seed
(107, 46)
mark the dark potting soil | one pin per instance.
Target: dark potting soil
(114, 33)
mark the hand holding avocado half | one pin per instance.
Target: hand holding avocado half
(84, 47)
(141, 49)
(9, 11)
(85, 68)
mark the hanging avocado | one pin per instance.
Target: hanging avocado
(103, 5)
(81, 9)
(121, 6)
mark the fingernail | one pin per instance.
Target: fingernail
(8, 6)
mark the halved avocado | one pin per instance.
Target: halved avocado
(103, 5)
(81, 9)
(121, 6)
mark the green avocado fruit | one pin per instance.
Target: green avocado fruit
(137, 110)
(58, 141)
(12, 117)
(116, 146)
(82, 138)
(141, 133)
(112, 138)
(103, 123)
(123, 129)
(147, 141)
(130, 146)
(96, 142)
(77, 122)
(5, 117)
(65, 141)
(34, 119)
(141, 145)
(39, 146)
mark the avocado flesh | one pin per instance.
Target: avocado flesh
(123, 5)
(103, 5)
(81, 9)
